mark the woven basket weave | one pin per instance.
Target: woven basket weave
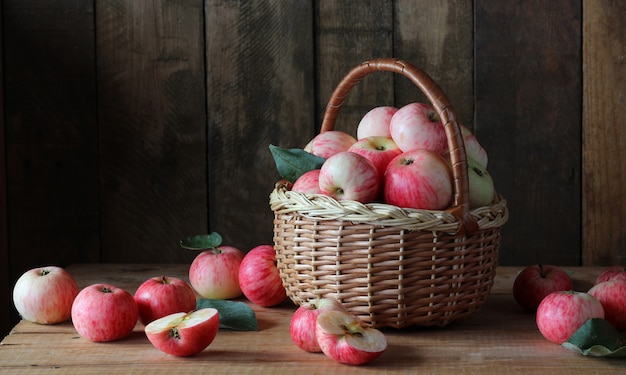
(392, 267)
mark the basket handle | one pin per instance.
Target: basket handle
(440, 102)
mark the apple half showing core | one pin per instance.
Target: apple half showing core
(184, 334)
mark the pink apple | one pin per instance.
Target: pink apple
(45, 295)
(184, 334)
(417, 126)
(304, 319)
(259, 277)
(378, 150)
(343, 337)
(473, 148)
(375, 123)
(103, 312)
(560, 314)
(612, 296)
(418, 179)
(308, 183)
(214, 273)
(161, 296)
(535, 282)
(329, 143)
(612, 273)
(349, 176)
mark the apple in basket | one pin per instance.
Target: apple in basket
(417, 126)
(344, 338)
(162, 295)
(45, 295)
(418, 179)
(375, 123)
(612, 296)
(481, 187)
(349, 176)
(535, 282)
(214, 273)
(329, 143)
(259, 277)
(184, 334)
(304, 319)
(611, 273)
(473, 148)
(378, 150)
(308, 183)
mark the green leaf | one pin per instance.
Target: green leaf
(234, 315)
(294, 162)
(202, 241)
(597, 338)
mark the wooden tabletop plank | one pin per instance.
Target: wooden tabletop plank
(500, 338)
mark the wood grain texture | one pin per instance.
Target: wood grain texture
(152, 128)
(604, 138)
(260, 91)
(528, 118)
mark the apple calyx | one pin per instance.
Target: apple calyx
(433, 116)
(45, 271)
(106, 289)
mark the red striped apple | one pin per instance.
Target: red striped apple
(535, 282)
(417, 126)
(612, 273)
(184, 334)
(612, 296)
(304, 319)
(343, 337)
(473, 148)
(375, 123)
(378, 150)
(349, 176)
(45, 295)
(103, 312)
(418, 179)
(163, 295)
(214, 273)
(329, 143)
(560, 314)
(259, 277)
(308, 183)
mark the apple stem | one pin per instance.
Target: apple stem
(164, 280)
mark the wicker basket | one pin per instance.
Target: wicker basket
(390, 266)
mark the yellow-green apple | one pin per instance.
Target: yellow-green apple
(104, 312)
(379, 150)
(329, 143)
(560, 314)
(304, 319)
(259, 277)
(214, 273)
(349, 176)
(473, 148)
(535, 282)
(162, 295)
(611, 273)
(418, 179)
(308, 183)
(344, 338)
(417, 126)
(184, 334)
(612, 296)
(481, 187)
(45, 295)
(375, 123)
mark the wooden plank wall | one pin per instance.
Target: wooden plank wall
(128, 125)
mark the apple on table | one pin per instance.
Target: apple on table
(612, 273)
(612, 296)
(163, 295)
(535, 282)
(214, 273)
(259, 277)
(304, 320)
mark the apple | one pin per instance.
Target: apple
(214, 273)
(535, 282)
(161, 296)
(329, 143)
(612, 296)
(259, 277)
(612, 273)
(304, 319)
(376, 122)
(184, 334)
(418, 179)
(308, 183)
(349, 176)
(45, 295)
(473, 148)
(417, 126)
(103, 312)
(562, 313)
(481, 187)
(378, 150)
(344, 338)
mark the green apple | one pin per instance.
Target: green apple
(481, 187)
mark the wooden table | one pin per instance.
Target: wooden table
(498, 339)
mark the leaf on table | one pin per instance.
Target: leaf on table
(293, 163)
(202, 241)
(597, 338)
(234, 315)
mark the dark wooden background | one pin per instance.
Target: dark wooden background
(127, 125)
